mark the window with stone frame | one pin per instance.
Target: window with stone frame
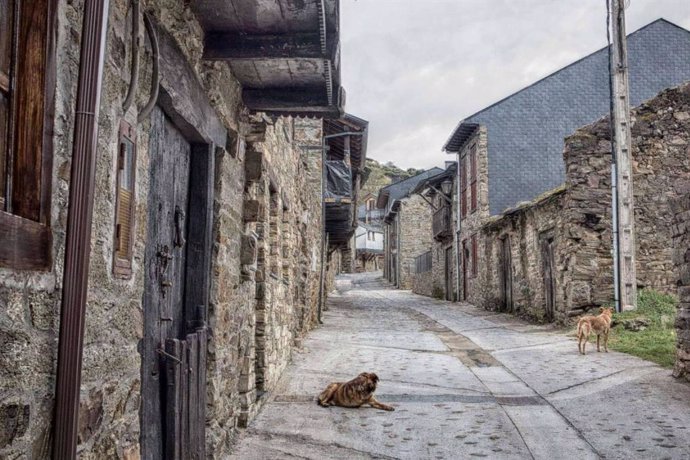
(473, 178)
(474, 252)
(463, 193)
(27, 85)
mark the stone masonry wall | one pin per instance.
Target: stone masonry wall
(660, 139)
(422, 283)
(681, 259)
(473, 221)
(415, 236)
(523, 228)
(30, 301)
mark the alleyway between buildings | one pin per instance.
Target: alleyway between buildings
(465, 383)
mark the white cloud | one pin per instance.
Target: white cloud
(415, 68)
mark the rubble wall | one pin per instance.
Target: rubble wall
(660, 139)
(30, 301)
(681, 241)
(415, 236)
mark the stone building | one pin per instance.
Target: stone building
(510, 154)
(184, 242)
(437, 275)
(369, 246)
(407, 228)
(551, 258)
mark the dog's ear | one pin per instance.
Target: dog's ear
(374, 377)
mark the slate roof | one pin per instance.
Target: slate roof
(390, 194)
(526, 130)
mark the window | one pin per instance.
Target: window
(473, 178)
(26, 106)
(124, 202)
(473, 243)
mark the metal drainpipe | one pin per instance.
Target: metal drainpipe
(458, 217)
(398, 246)
(78, 238)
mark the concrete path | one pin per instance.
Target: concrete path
(465, 383)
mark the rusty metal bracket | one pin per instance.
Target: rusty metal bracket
(160, 351)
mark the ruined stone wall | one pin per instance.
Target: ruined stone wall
(30, 301)
(681, 259)
(660, 138)
(523, 227)
(415, 236)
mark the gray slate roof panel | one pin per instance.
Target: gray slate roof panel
(526, 130)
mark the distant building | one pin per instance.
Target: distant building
(369, 245)
(407, 228)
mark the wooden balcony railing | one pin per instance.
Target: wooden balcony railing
(442, 227)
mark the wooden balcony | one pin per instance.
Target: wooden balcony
(442, 227)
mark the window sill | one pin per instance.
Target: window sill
(24, 244)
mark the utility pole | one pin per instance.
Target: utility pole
(623, 200)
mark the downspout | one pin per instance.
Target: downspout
(458, 224)
(78, 237)
(398, 245)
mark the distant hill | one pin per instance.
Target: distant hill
(377, 175)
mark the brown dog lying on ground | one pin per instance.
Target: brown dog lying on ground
(355, 393)
(600, 325)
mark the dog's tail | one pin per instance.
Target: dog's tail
(582, 328)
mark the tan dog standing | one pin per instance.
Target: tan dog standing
(600, 325)
(355, 393)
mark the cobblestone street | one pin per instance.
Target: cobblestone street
(465, 383)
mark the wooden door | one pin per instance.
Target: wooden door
(449, 273)
(506, 274)
(465, 268)
(174, 346)
(547, 246)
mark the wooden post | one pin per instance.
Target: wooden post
(622, 158)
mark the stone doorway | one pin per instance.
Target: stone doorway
(546, 242)
(176, 292)
(506, 275)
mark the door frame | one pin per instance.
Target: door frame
(183, 100)
(449, 262)
(546, 246)
(506, 274)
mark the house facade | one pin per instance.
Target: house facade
(407, 228)
(161, 218)
(369, 246)
(436, 271)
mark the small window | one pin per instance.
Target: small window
(124, 202)
(27, 87)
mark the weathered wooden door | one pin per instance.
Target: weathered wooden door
(174, 346)
(465, 268)
(506, 274)
(547, 242)
(449, 273)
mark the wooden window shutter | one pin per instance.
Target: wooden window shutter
(27, 88)
(124, 202)
(463, 194)
(473, 179)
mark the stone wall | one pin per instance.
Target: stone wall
(681, 242)
(255, 315)
(414, 219)
(422, 283)
(660, 138)
(522, 229)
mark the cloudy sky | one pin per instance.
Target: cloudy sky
(414, 68)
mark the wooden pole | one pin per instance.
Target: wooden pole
(622, 158)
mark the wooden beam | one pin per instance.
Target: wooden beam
(226, 45)
(297, 98)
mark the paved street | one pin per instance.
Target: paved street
(465, 383)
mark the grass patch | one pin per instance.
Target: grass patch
(657, 342)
